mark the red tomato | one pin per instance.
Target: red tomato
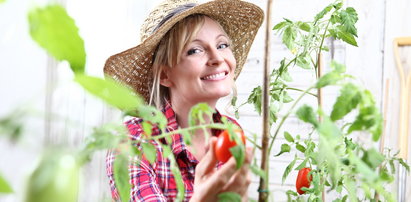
(223, 145)
(303, 180)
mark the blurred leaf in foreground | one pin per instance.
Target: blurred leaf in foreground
(11, 125)
(4, 186)
(56, 178)
(54, 30)
(110, 91)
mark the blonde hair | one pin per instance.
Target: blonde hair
(169, 52)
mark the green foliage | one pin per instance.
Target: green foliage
(121, 176)
(348, 100)
(110, 91)
(104, 137)
(2, 1)
(55, 31)
(5, 188)
(288, 169)
(338, 163)
(284, 149)
(56, 178)
(238, 153)
(11, 125)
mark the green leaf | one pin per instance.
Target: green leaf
(329, 129)
(303, 61)
(4, 186)
(104, 137)
(149, 151)
(56, 178)
(186, 137)
(110, 91)
(372, 158)
(348, 19)
(300, 147)
(147, 128)
(198, 112)
(328, 79)
(369, 117)
(321, 14)
(284, 148)
(255, 98)
(347, 37)
(404, 164)
(12, 125)
(280, 25)
(2, 1)
(304, 26)
(363, 169)
(288, 169)
(55, 31)
(306, 114)
(289, 36)
(121, 176)
(229, 197)
(385, 176)
(288, 137)
(302, 165)
(293, 193)
(238, 153)
(349, 144)
(348, 100)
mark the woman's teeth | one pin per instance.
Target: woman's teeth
(214, 76)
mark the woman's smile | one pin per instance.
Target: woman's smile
(215, 77)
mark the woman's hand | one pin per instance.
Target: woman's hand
(210, 182)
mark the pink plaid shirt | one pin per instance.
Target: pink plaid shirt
(155, 182)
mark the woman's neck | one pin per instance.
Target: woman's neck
(182, 111)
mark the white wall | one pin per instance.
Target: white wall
(28, 75)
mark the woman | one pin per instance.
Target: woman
(190, 53)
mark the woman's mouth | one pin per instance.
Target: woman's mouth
(217, 76)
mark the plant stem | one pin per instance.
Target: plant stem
(321, 45)
(285, 117)
(299, 90)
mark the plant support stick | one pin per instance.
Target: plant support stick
(263, 188)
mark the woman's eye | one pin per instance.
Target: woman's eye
(222, 46)
(193, 51)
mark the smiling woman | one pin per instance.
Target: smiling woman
(190, 54)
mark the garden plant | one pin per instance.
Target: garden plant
(329, 160)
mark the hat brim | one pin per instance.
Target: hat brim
(240, 20)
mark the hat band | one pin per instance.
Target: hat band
(176, 11)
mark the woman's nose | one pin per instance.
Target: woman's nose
(215, 57)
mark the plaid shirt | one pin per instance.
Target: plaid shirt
(155, 182)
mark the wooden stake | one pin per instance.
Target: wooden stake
(264, 185)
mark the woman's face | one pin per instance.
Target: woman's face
(205, 72)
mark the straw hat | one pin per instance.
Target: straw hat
(239, 19)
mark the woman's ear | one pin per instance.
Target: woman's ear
(165, 77)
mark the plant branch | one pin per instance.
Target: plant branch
(286, 116)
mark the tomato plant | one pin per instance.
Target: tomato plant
(303, 180)
(225, 143)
